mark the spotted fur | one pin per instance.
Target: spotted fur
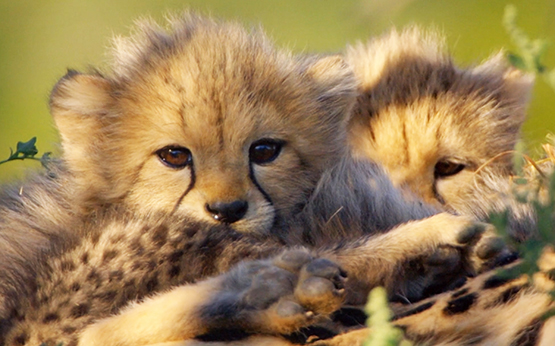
(202, 147)
(446, 134)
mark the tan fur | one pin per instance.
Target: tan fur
(482, 312)
(418, 111)
(166, 105)
(141, 227)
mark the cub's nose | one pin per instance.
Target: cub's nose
(227, 212)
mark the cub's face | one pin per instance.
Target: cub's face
(433, 126)
(430, 147)
(208, 121)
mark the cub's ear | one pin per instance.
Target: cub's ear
(79, 103)
(336, 83)
(515, 86)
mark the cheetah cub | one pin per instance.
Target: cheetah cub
(444, 133)
(205, 186)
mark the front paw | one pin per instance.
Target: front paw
(277, 296)
(465, 249)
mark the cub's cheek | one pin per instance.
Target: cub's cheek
(159, 189)
(453, 190)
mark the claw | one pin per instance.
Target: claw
(491, 247)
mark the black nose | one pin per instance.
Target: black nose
(227, 212)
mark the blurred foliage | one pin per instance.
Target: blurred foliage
(534, 182)
(40, 39)
(531, 52)
(382, 331)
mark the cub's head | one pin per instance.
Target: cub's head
(206, 119)
(430, 124)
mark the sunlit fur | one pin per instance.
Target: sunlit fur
(416, 109)
(111, 224)
(162, 92)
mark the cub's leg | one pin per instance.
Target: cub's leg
(273, 296)
(417, 256)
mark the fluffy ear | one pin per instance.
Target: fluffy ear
(78, 104)
(516, 86)
(336, 82)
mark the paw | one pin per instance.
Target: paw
(481, 249)
(277, 296)
(465, 249)
(474, 246)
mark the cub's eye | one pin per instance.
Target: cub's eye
(265, 151)
(447, 168)
(175, 157)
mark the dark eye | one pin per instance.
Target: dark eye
(175, 157)
(265, 151)
(447, 168)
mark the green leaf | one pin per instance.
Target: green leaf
(28, 149)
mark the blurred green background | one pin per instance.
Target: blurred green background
(40, 39)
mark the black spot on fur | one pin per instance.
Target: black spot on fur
(176, 256)
(67, 266)
(21, 339)
(146, 229)
(440, 287)
(93, 276)
(151, 284)
(85, 258)
(115, 275)
(159, 235)
(109, 255)
(495, 281)
(95, 238)
(350, 317)
(509, 294)
(550, 275)
(304, 335)
(80, 310)
(174, 271)
(129, 284)
(460, 305)
(16, 315)
(117, 239)
(414, 311)
(137, 265)
(69, 330)
(460, 293)
(136, 247)
(151, 265)
(459, 283)
(191, 231)
(223, 335)
(528, 336)
(51, 317)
